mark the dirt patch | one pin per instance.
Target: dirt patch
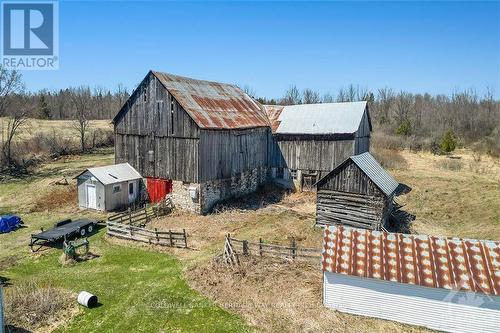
(57, 197)
(33, 307)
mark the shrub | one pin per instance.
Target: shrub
(31, 306)
(390, 158)
(404, 128)
(448, 142)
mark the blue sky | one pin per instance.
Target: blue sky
(436, 47)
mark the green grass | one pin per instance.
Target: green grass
(140, 291)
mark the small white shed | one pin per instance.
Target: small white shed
(447, 284)
(108, 188)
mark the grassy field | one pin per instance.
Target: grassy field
(62, 127)
(143, 288)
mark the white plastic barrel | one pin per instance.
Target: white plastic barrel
(87, 299)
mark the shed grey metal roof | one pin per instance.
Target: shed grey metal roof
(369, 165)
(323, 118)
(116, 173)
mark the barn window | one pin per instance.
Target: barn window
(151, 156)
(117, 188)
(293, 174)
(145, 93)
(131, 188)
(158, 106)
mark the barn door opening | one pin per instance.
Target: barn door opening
(158, 188)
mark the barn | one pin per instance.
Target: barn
(358, 193)
(210, 139)
(313, 139)
(446, 284)
(108, 188)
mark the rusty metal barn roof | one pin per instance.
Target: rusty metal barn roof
(214, 105)
(321, 118)
(430, 261)
(273, 113)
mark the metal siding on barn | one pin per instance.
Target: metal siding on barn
(87, 179)
(433, 308)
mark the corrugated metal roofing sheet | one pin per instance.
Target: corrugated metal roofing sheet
(116, 173)
(430, 261)
(214, 105)
(375, 172)
(273, 113)
(324, 118)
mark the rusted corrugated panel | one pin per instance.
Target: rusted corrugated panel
(273, 113)
(430, 261)
(214, 105)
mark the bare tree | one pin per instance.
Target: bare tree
(10, 83)
(310, 96)
(81, 99)
(328, 98)
(16, 120)
(292, 96)
(386, 98)
(352, 94)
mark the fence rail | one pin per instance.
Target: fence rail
(138, 217)
(293, 251)
(150, 236)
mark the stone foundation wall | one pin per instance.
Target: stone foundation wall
(214, 191)
(182, 198)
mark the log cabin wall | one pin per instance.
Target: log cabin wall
(351, 198)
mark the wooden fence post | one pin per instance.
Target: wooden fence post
(294, 248)
(260, 246)
(170, 236)
(156, 233)
(245, 247)
(185, 238)
(129, 216)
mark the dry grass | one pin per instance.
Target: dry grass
(450, 164)
(63, 128)
(57, 197)
(280, 296)
(284, 296)
(390, 158)
(37, 308)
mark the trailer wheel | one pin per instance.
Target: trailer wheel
(90, 228)
(83, 232)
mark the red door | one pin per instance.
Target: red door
(158, 188)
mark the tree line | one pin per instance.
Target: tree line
(418, 120)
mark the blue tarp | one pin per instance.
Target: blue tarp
(9, 223)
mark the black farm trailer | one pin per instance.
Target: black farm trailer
(62, 230)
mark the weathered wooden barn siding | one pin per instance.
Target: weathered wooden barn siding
(362, 136)
(226, 153)
(308, 152)
(154, 122)
(351, 198)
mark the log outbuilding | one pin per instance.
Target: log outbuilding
(358, 193)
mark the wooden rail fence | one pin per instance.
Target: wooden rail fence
(292, 251)
(150, 236)
(138, 218)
